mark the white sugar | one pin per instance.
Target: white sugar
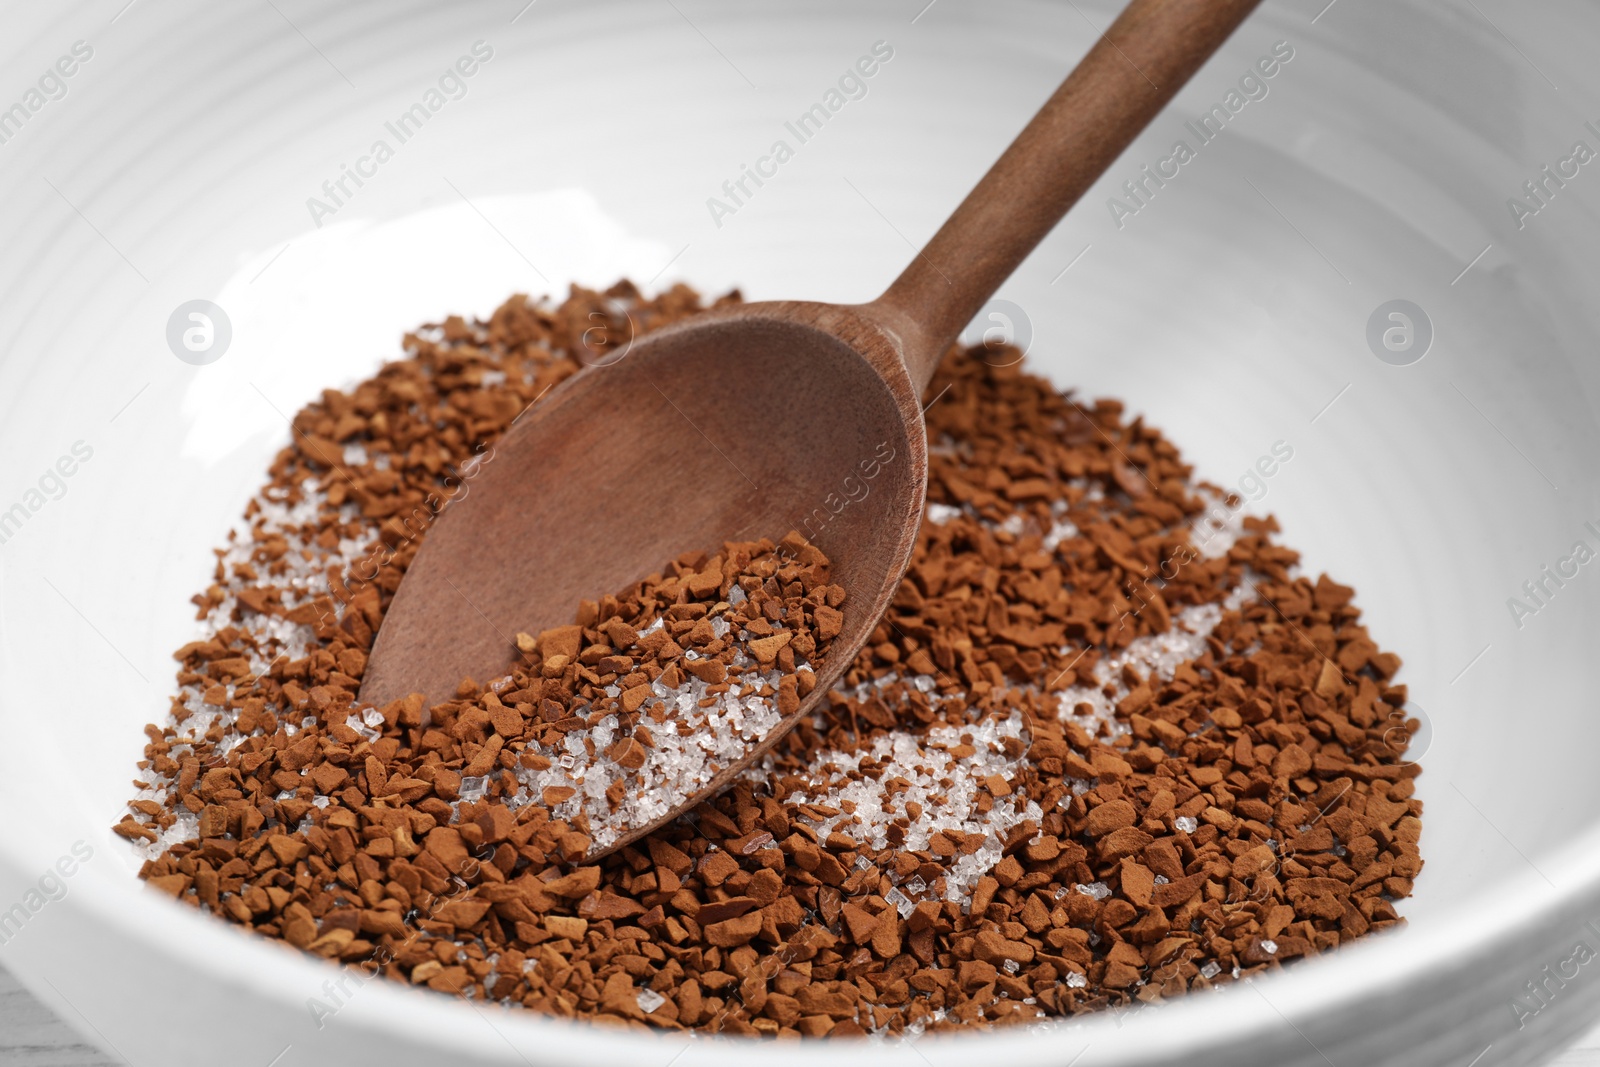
(946, 786)
(1152, 657)
(358, 724)
(697, 745)
(185, 827)
(1218, 527)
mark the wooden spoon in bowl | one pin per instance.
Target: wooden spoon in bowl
(746, 422)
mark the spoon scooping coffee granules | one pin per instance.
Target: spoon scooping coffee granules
(687, 670)
(1106, 746)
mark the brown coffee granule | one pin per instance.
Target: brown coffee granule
(649, 695)
(1107, 744)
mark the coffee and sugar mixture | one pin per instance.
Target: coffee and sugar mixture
(1106, 746)
(685, 673)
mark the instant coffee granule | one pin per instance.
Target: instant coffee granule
(1106, 746)
(684, 673)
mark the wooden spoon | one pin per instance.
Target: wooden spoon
(750, 421)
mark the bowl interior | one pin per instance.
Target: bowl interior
(1233, 303)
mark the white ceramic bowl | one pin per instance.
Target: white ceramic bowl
(176, 161)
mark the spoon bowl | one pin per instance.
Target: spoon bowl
(674, 446)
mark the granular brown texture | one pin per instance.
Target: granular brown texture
(1106, 746)
(649, 695)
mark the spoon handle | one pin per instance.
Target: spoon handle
(1127, 77)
